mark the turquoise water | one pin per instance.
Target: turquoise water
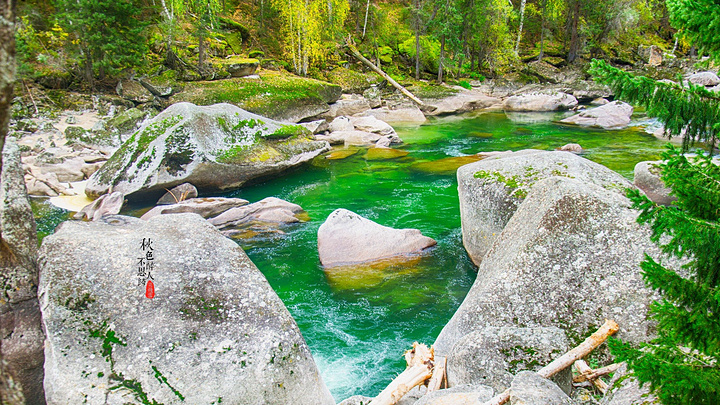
(358, 322)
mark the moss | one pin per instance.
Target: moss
(163, 380)
(350, 80)
(288, 131)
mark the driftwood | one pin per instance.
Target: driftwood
(384, 75)
(582, 367)
(596, 373)
(439, 376)
(567, 359)
(420, 365)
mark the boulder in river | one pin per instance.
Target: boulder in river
(346, 238)
(206, 207)
(347, 105)
(491, 190)
(529, 388)
(262, 217)
(463, 101)
(615, 115)
(216, 147)
(568, 258)
(209, 329)
(540, 102)
(106, 204)
(178, 193)
(403, 114)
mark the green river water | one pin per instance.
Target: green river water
(358, 322)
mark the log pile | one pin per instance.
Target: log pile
(424, 368)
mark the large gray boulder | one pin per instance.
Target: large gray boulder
(266, 216)
(409, 114)
(540, 102)
(459, 395)
(615, 115)
(647, 179)
(215, 147)
(214, 332)
(346, 238)
(491, 190)
(493, 355)
(569, 258)
(529, 388)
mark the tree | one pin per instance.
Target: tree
(699, 21)
(682, 364)
(107, 32)
(308, 26)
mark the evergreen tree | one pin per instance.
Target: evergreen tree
(682, 364)
(699, 21)
(107, 32)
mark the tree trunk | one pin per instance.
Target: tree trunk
(201, 51)
(420, 364)
(417, 39)
(522, 21)
(440, 61)
(89, 75)
(574, 40)
(367, 10)
(21, 335)
(384, 75)
(542, 30)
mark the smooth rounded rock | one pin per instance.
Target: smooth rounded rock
(615, 115)
(347, 238)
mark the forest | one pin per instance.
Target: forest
(91, 43)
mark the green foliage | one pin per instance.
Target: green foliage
(682, 364)
(429, 51)
(692, 111)
(699, 22)
(107, 33)
(464, 84)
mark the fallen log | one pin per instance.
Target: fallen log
(384, 75)
(438, 375)
(420, 365)
(597, 373)
(564, 361)
(582, 367)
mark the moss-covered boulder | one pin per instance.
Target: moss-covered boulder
(216, 147)
(278, 96)
(240, 67)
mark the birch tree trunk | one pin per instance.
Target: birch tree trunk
(522, 21)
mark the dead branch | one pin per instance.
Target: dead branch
(420, 365)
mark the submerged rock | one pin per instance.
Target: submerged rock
(347, 238)
(615, 115)
(540, 102)
(213, 330)
(445, 166)
(385, 154)
(491, 190)
(568, 258)
(205, 207)
(217, 147)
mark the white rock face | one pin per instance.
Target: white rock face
(568, 238)
(540, 102)
(464, 101)
(346, 238)
(213, 329)
(406, 114)
(372, 124)
(615, 115)
(207, 207)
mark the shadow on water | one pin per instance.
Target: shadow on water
(359, 323)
